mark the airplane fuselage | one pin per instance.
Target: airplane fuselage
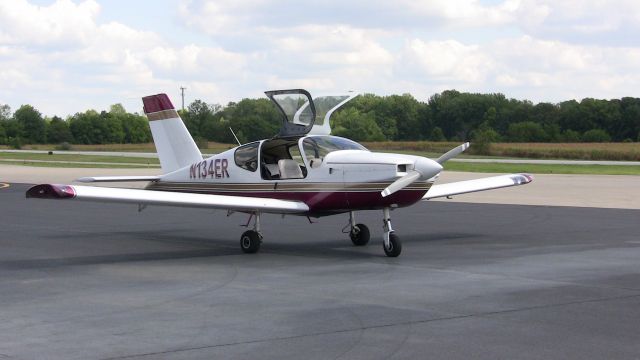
(339, 181)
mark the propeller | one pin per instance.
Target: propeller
(453, 153)
(401, 183)
(423, 168)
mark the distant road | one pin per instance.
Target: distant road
(505, 161)
(549, 162)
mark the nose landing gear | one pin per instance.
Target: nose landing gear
(359, 234)
(391, 242)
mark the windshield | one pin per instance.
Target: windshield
(319, 146)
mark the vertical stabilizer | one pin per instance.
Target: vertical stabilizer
(175, 146)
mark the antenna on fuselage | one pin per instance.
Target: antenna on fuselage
(234, 135)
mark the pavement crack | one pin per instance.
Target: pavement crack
(364, 328)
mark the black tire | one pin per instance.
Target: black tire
(250, 242)
(395, 246)
(361, 236)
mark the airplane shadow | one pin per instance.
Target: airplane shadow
(341, 248)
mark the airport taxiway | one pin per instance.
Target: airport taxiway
(483, 281)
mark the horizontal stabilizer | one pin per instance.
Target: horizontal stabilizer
(152, 197)
(90, 179)
(488, 183)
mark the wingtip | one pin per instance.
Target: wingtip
(523, 178)
(51, 191)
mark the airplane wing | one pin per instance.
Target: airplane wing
(488, 183)
(153, 197)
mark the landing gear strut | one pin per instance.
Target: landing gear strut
(251, 239)
(359, 233)
(391, 242)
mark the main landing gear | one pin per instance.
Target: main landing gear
(359, 234)
(251, 239)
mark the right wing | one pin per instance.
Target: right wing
(153, 197)
(488, 183)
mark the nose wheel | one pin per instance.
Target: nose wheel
(391, 242)
(393, 246)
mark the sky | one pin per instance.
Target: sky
(67, 56)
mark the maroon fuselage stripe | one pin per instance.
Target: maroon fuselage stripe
(326, 201)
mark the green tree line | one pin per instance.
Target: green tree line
(450, 115)
(116, 126)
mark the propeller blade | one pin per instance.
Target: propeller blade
(453, 153)
(401, 183)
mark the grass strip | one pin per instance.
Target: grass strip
(80, 158)
(78, 165)
(542, 168)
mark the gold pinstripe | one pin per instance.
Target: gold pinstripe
(282, 187)
(162, 115)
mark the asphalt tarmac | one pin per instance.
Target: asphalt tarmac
(475, 281)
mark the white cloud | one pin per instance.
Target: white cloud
(447, 60)
(62, 50)
(586, 22)
(463, 12)
(63, 23)
(525, 67)
(65, 57)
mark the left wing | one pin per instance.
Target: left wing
(153, 197)
(489, 183)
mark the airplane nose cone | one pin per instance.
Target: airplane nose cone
(427, 168)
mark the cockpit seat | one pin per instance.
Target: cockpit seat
(289, 169)
(273, 170)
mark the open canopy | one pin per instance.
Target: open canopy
(302, 114)
(297, 108)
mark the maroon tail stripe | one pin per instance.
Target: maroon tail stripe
(155, 103)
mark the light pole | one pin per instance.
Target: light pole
(182, 89)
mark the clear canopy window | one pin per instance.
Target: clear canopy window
(295, 108)
(320, 146)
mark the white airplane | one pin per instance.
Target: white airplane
(301, 171)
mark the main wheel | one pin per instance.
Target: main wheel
(250, 242)
(395, 246)
(360, 235)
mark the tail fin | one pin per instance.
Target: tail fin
(175, 146)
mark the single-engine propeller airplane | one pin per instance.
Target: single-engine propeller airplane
(303, 170)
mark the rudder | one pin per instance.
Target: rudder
(175, 146)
